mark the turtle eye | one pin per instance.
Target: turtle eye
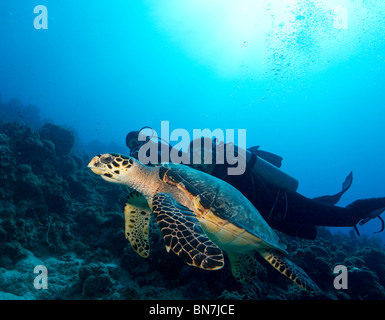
(106, 158)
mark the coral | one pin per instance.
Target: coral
(15, 111)
(95, 279)
(56, 213)
(363, 284)
(6, 156)
(28, 184)
(11, 252)
(63, 139)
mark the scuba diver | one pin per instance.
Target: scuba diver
(270, 190)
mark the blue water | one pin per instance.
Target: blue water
(304, 78)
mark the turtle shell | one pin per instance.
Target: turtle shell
(222, 199)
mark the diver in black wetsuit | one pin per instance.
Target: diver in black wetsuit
(282, 207)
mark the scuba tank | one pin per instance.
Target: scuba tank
(262, 163)
(270, 173)
(255, 160)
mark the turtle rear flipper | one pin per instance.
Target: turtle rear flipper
(244, 266)
(137, 218)
(289, 269)
(183, 235)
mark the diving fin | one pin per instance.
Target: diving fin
(374, 214)
(365, 210)
(333, 199)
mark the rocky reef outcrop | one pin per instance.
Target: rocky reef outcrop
(54, 212)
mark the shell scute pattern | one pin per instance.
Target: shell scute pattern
(236, 210)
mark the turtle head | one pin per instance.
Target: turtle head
(113, 167)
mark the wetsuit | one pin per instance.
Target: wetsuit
(293, 213)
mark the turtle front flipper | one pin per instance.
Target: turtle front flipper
(183, 234)
(137, 215)
(289, 269)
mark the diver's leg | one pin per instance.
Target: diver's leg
(333, 199)
(290, 210)
(295, 208)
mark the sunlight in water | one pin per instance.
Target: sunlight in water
(257, 37)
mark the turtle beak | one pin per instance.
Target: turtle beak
(96, 166)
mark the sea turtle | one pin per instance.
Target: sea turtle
(199, 216)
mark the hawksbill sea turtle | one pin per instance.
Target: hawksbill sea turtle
(200, 217)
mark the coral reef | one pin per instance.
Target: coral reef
(15, 111)
(55, 212)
